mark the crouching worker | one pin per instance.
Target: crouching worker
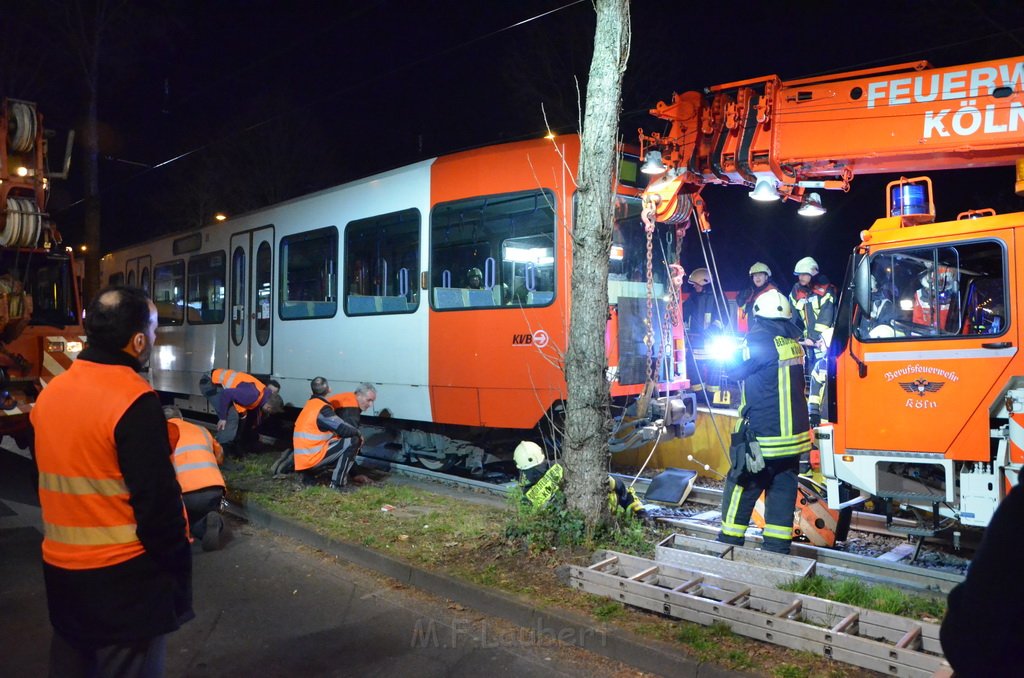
(197, 458)
(774, 428)
(540, 479)
(323, 440)
(240, 400)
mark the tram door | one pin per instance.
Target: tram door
(252, 301)
(139, 273)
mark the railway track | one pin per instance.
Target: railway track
(830, 562)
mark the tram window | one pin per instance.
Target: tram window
(309, 275)
(627, 261)
(382, 264)
(263, 267)
(238, 296)
(131, 278)
(493, 251)
(169, 292)
(948, 291)
(205, 289)
(144, 282)
(116, 279)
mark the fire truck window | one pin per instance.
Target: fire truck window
(205, 289)
(627, 260)
(309, 275)
(382, 264)
(495, 251)
(956, 290)
(169, 292)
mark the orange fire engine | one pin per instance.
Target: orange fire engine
(925, 393)
(40, 317)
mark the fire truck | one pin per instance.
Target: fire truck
(40, 309)
(925, 392)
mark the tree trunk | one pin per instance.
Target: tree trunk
(587, 424)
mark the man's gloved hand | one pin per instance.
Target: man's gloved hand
(815, 420)
(755, 462)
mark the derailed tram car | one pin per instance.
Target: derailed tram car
(445, 283)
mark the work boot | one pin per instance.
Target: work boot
(214, 528)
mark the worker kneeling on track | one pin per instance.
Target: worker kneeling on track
(197, 458)
(540, 480)
(774, 429)
(323, 440)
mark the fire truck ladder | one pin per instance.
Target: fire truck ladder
(881, 642)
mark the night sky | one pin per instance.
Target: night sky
(227, 106)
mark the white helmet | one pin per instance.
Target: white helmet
(806, 265)
(528, 455)
(700, 276)
(772, 304)
(759, 267)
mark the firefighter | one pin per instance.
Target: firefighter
(774, 429)
(474, 279)
(701, 317)
(813, 300)
(323, 439)
(540, 479)
(760, 281)
(240, 400)
(197, 458)
(116, 558)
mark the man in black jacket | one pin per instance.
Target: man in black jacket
(983, 627)
(773, 409)
(116, 558)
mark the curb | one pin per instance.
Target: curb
(573, 629)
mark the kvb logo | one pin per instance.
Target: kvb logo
(539, 339)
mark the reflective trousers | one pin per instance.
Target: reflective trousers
(778, 481)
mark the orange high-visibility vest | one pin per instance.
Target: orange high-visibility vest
(196, 457)
(340, 401)
(233, 379)
(88, 521)
(309, 443)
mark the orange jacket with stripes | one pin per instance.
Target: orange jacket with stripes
(309, 443)
(88, 521)
(196, 457)
(233, 379)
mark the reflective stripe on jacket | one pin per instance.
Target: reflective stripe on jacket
(309, 443)
(196, 457)
(234, 379)
(773, 389)
(88, 521)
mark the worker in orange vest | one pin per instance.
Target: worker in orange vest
(197, 458)
(116, 557)
(322, 439)
(240, 401)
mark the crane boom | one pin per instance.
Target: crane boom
(820, 132)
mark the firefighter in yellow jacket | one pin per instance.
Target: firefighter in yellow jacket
(774, 429)
(197, 458)
(116, 557)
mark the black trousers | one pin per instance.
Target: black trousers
(136, 659)
(778, 482)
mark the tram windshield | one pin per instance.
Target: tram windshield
(627, 261)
